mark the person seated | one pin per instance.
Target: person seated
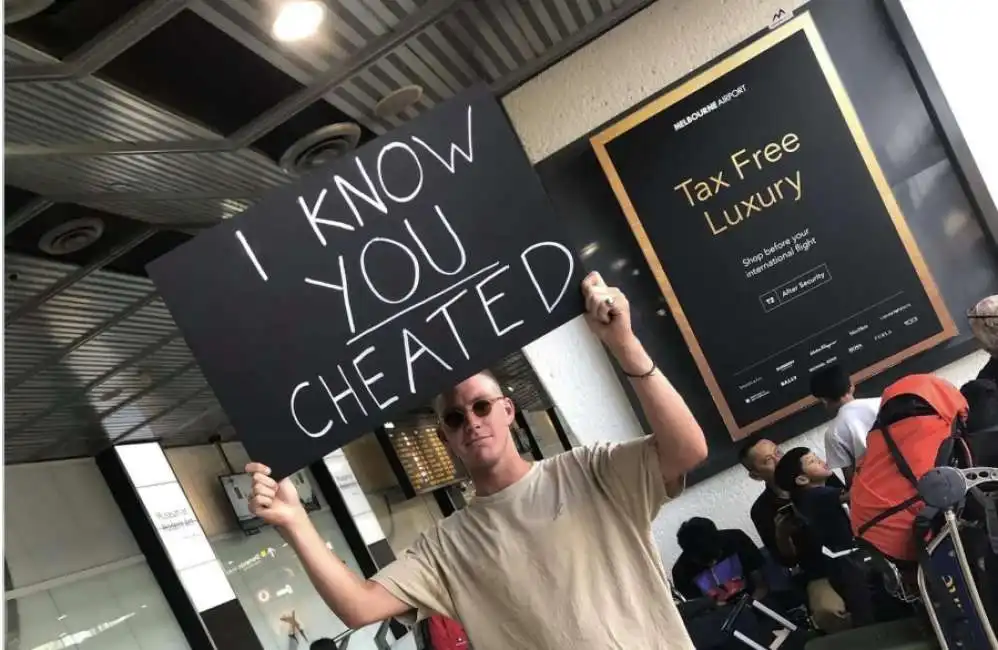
(786, 537)
(983, 319)
(805, 476)
(718, 564)
(845, 438)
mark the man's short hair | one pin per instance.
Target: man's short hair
(789, 468)
(746, 448)
(696, 533)
(831, 383)
(440, 401)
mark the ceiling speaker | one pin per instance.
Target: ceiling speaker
(71, 236)
(398, 100)
(320, 147)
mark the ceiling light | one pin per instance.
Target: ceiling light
(298, 19)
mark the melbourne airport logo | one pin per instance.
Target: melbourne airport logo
(706, 109)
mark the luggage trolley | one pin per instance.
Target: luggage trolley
(944, 490)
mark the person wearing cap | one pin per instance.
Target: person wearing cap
(983, 319)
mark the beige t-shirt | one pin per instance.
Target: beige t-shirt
(562, 559)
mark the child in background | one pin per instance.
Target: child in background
(805, 476)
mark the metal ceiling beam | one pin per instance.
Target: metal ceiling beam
(107, 45)
(176, 195)
(79, 395)
(208, 411)
(88, 336)
(270, 119)
(163, 413)
(620, 13)
(26, 213)
(84, 271)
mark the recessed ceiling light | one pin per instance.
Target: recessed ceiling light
(298, 19)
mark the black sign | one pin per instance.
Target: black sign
(771, 230)
(354, 295)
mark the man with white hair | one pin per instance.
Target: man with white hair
(983, 319)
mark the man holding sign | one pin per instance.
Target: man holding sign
(550, 555)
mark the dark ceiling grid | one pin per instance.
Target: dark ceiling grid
(99, 51)
(79, 410)
(91, 355)
(32, 304)
(26, 213)
(74, 396)
(98, 328)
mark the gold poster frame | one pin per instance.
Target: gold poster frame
(803, 23)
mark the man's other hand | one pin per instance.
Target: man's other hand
(277, 503)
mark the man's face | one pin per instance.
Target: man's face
(475, 422)
(762, 459)
(815, 468)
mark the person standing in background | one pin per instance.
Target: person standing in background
(845, 439)
(984, 325)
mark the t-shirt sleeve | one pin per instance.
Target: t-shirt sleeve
(630, 474)
(414, 578)
(838, 450)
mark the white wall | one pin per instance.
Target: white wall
(60, 518)
(77, 572)
(600, 81)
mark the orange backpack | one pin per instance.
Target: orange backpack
(917, 415)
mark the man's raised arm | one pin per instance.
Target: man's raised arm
(678, 437)
(357, 602)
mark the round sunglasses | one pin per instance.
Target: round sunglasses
(455, 418)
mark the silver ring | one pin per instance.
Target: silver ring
(608, 301)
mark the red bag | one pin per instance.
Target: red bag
(446, 634)
(917, 414)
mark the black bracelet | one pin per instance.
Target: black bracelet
(644, 375)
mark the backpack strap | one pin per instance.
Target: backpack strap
(884, 514)
(898, 457)
(893, 411)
